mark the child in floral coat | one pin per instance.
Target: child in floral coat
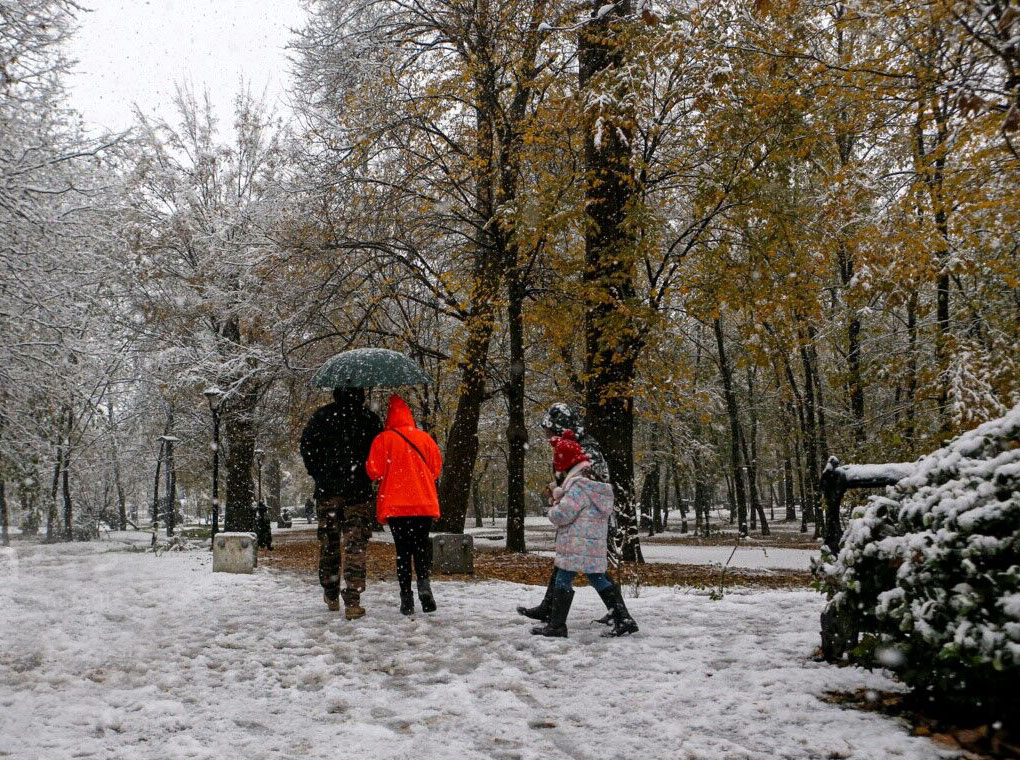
(580, 512)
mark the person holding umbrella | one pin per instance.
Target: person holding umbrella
(334, 447)
(407, 462)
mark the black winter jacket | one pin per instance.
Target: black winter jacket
(334, 446)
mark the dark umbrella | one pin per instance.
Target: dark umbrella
(369, 367)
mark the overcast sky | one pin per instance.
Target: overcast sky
(134, 51)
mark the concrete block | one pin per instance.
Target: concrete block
(234, 553)
(453, 553)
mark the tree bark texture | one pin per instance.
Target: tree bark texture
(611, 340)
(239, 436)
(735, 433)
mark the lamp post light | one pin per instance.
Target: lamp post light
(215, 398)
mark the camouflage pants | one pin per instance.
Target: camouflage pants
(348, 528)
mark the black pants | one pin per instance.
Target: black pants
(411, 537)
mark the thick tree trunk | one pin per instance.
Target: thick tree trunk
(517, 430)
(171, 490)
(274, 487)
(462, 439)
(611, 338)
(735, 431)
(239, 436)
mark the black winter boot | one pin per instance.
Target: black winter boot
(541, 612)
(428, 602)
(558, 611)
(406, 602)
(623, 623)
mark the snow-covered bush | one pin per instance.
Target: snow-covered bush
(929, 573)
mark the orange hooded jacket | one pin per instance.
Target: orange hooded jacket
(408, 487)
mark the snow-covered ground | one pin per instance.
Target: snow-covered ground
(111, 653)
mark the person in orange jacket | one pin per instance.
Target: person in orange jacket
(407, 462)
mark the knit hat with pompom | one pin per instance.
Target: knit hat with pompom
(567, 452)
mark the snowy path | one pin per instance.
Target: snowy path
(118, 654)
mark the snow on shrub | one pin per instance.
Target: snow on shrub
(929, 573)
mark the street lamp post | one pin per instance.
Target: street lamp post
(215, 398)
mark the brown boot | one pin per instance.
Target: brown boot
(354, 611)
(332, 602)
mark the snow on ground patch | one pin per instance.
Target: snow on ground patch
(119, 654)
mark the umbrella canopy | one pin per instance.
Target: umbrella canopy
(369, 367)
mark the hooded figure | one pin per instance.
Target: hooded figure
(407, 462)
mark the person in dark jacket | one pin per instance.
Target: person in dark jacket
(557, 419)
(334, 447)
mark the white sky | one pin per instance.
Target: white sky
(135, 51)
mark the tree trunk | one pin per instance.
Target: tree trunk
(911, 432)
(5, 518)
(155, 492)
(661, 498)
(791, 507)
(476, 500)
(239, 436)
(171, 490)
(517, 430)
(462, 439)
(679, 500)
(611, 334)
(752, 484)
(117, 480)
(51, 512)
(649, 497)
(811, 472)
(735, 431)
(274, 487)
(65, 483)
